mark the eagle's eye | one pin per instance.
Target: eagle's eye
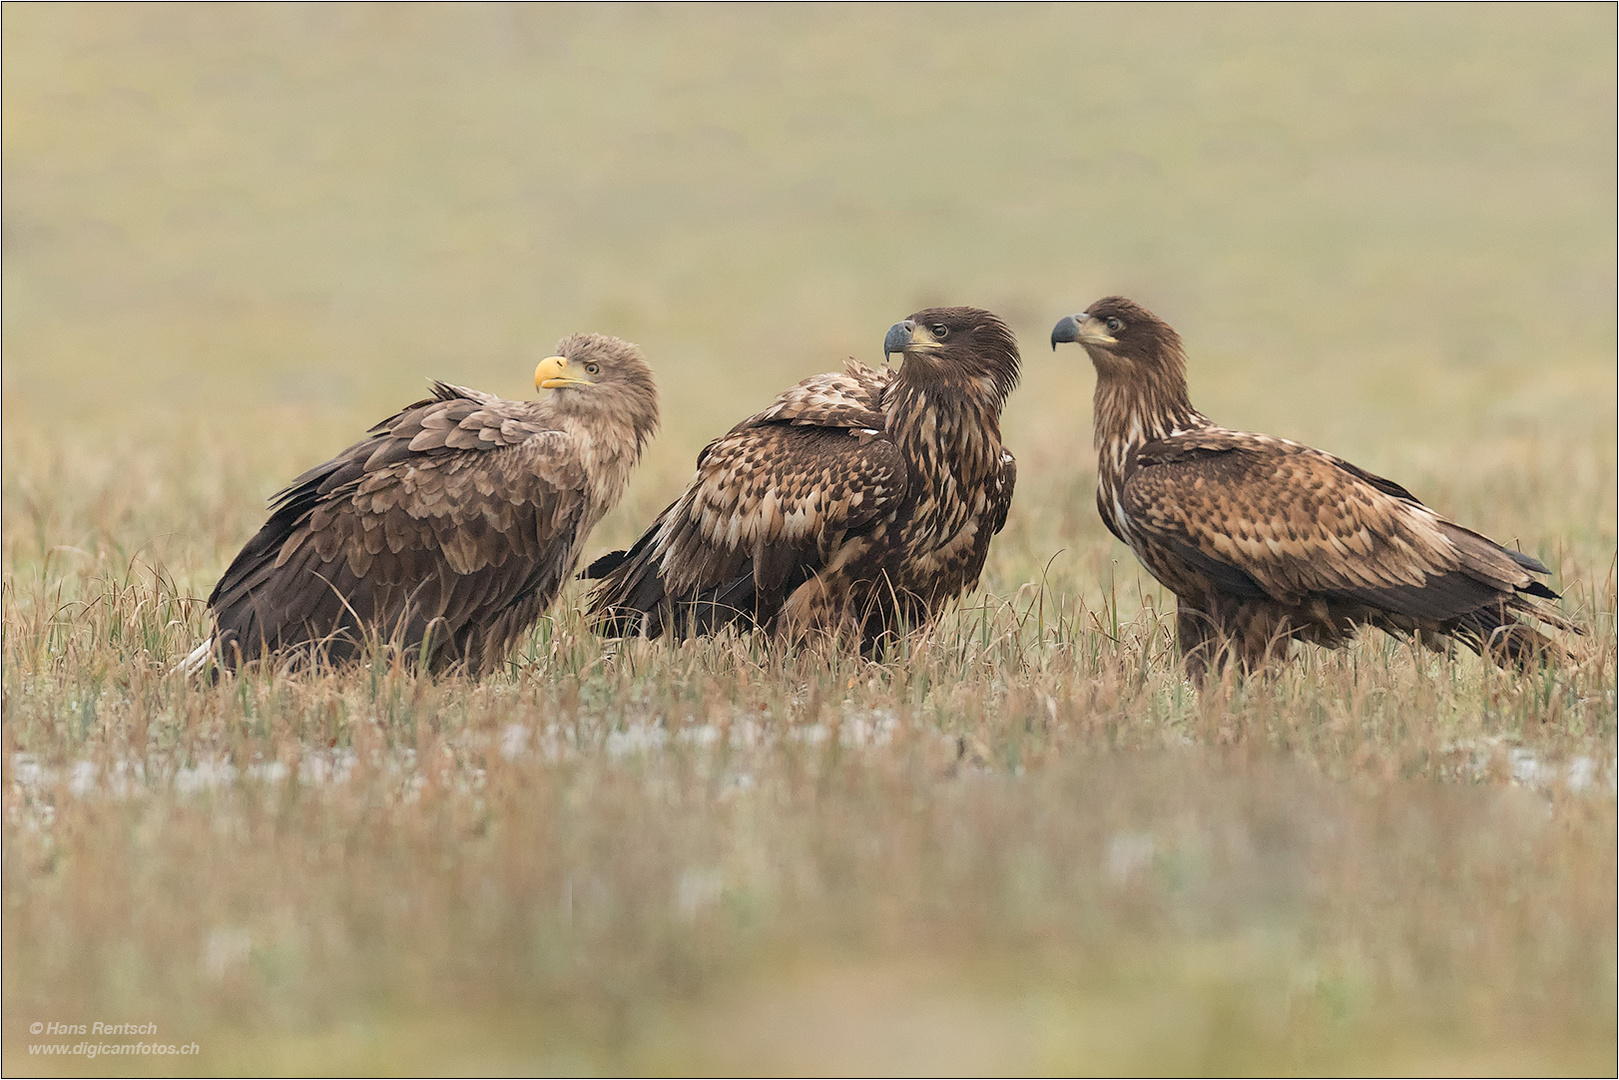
(593, 369)
(939, 331)
(1114, 324)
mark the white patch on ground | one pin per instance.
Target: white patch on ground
(513, 741)
(698, 890)
(205, 775)
(638, 738)
(225, 952)
(1129, 853)
(1579, 775)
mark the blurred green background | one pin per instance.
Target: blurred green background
(236, 235)
(1370, 223)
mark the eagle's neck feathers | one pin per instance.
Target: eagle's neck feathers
(1136, 405)
(950, 434)
(607, 446)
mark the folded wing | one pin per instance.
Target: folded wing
(454, 512)
(1253, 515)
(800, 489)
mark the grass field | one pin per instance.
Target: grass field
(235, 236)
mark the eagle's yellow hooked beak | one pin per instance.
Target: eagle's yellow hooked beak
(553, 374)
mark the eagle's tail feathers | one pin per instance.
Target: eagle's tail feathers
(196, 660)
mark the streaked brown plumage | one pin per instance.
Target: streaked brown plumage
(455, 523)
(864, 499)
(1263, 540)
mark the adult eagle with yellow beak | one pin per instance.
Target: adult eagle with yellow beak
(1263, 540)
(858, 504)
(448, 531)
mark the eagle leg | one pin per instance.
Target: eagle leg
(1265, 632)
(1198, 638)
(1251, 633)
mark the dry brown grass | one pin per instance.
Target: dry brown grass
(1022, 843)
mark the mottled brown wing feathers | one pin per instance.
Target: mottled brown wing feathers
(1249, 512)
(1199, 444)
(456, 503)
(851, 398)
(770, 499)
(1002, 503)
(789, 486)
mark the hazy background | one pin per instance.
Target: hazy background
(1385, 229)
(235, 236)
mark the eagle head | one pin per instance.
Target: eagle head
(1123, 338)
(596, 373)
(957, 343)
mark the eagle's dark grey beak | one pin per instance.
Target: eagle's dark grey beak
(899, 336)
(1067, 329)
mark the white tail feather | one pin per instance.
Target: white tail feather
(196, 660)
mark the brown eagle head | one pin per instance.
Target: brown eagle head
(957, 344)
(1125, 340)
(599, 375)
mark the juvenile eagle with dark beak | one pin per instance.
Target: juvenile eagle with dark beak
(1263, 540)
(449, 530)
(860, 501)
